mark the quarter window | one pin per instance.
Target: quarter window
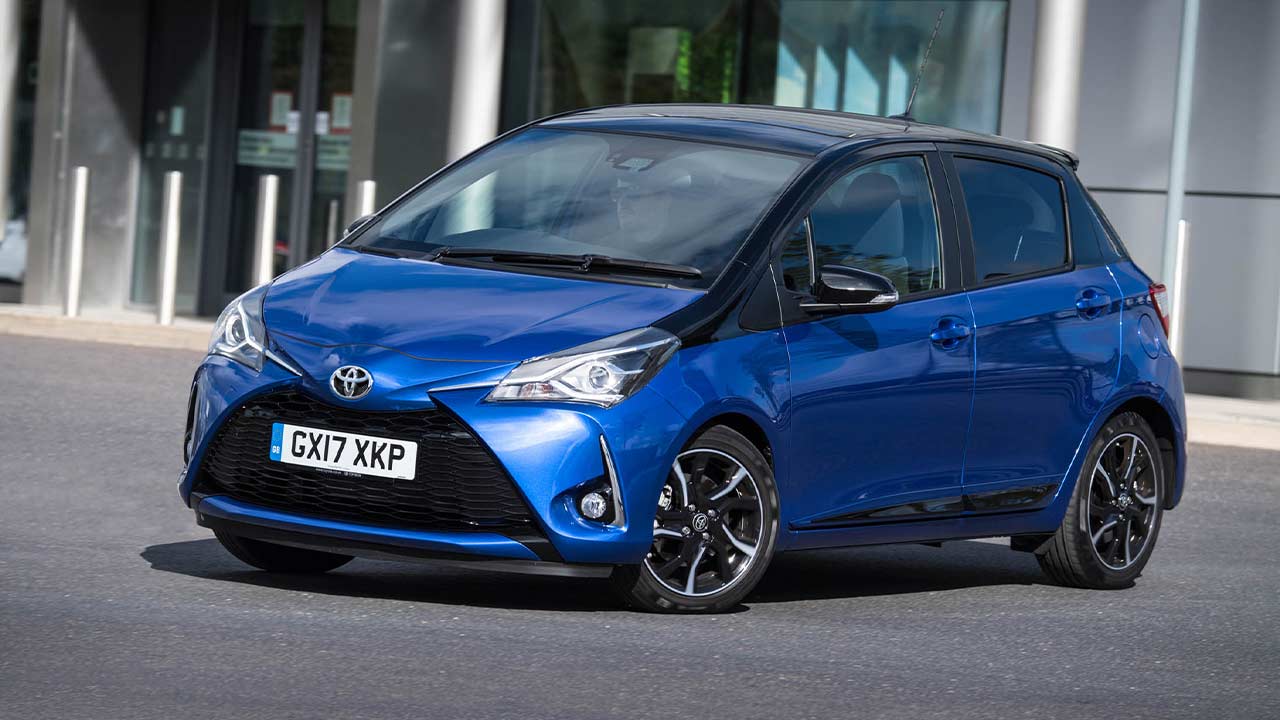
(879, 217)
(1016, 217)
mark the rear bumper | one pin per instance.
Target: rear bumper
(487, 551)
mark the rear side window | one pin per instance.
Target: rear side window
(1016, 216)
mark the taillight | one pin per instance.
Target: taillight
(1160, 301)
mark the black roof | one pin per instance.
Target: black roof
(787, 128)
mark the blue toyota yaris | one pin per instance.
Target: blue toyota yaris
(661, 343)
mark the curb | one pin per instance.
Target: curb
(184, 334)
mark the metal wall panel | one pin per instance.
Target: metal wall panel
(414, 91)
(88, 113)
(1019, 50)
(1126, 93)
(1233, 289)
(1234, 144)
(1139, 218)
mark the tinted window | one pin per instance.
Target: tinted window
(797, 270)
(629, 196)
(1016, 216)
(879, 217)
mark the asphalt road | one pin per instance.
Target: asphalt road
(113, 604)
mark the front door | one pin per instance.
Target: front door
(880, 400)
(292, 91)
(1047, 331)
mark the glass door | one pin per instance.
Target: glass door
(333, 126)
(293, 122)
(267, 129)
(174, 138)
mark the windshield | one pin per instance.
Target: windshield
(592, 193)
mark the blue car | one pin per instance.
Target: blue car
(660, 344)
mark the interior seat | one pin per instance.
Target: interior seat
(874, 222)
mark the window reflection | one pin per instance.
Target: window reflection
(862, 56)
(857, 56)
(636, 51)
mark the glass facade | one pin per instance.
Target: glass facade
(175, 137)
(13, 233)
(635, 51)
(858, 56)
(862, 56)
(237, 90)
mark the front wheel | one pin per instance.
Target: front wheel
(714, 530)
(1111, 525)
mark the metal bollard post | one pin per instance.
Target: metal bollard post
(1177, 319)
(366, 202)
(75, 242)
(265, 255)
(170, 225)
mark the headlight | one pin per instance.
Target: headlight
(604, 372)
(239, 333)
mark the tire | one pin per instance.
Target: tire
(706, 558)
(280, 558)
(1121, 507)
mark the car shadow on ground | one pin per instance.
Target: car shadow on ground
(794, 577)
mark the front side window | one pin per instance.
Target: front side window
(879, 217)
(1016, 217)
(577, 193)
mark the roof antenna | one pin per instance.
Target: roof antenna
(906, 114)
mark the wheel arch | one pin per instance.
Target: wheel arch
(745, 426)
(1166, 433)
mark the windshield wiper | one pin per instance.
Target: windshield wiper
(584, 263)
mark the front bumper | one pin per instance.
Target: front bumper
(549, 451)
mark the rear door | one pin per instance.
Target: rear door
(1046, 317)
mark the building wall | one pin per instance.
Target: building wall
(404, 85)
(91, 88)
(88, 112)
(1233, 181)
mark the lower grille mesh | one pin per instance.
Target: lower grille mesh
(459, 485)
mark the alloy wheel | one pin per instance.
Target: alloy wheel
(1123, 501)
(709, 524)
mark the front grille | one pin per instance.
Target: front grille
(459, 485)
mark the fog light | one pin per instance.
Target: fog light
(593, 505)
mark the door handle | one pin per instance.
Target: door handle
(949, 332)
(1091, 303)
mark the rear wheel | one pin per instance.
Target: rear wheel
(714, 530)
(1111, 525)
(280, 558)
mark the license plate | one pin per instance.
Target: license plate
(345, 452)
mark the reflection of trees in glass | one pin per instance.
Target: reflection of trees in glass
(599, 53)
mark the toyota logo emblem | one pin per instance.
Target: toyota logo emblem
(351, 382)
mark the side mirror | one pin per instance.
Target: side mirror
(846, 289)
(357, 224)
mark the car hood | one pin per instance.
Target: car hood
(460, 320)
